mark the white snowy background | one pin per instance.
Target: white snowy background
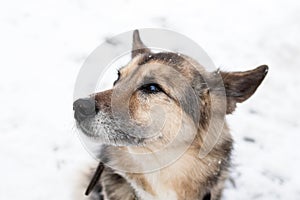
(43, 44)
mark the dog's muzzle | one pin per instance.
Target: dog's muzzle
(84, 109)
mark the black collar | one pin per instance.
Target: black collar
(95, 178)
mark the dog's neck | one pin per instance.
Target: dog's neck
(186, 178)
(189, 177)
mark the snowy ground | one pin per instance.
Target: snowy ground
(44, 43)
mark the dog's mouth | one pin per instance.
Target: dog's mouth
(105, 131)
(99, 126)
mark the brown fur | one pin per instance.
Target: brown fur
(185, 90)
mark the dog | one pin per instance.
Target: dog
(157, 97)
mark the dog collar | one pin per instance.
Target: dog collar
(95, 178)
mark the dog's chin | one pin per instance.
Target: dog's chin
(111, 137)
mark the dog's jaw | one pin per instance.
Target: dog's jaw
(105, 130)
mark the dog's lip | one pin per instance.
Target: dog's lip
(83, 129)
(125, 137)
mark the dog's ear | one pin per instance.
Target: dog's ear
(239, 86)
(138, 46)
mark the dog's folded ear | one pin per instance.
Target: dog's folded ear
(138, 46)
(239, 86)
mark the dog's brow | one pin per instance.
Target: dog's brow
(166, 57)
(148, 79)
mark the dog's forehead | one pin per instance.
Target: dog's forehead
(145, 59)
(175, 61)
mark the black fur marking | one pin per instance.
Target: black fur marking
(207, 197)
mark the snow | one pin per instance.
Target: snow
(44, 43)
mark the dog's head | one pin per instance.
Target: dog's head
(158, 94)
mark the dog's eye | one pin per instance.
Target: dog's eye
(151, 88)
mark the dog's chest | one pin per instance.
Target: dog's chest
(172, 182)
(155, 188)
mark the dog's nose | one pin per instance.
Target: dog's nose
(84, 108)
